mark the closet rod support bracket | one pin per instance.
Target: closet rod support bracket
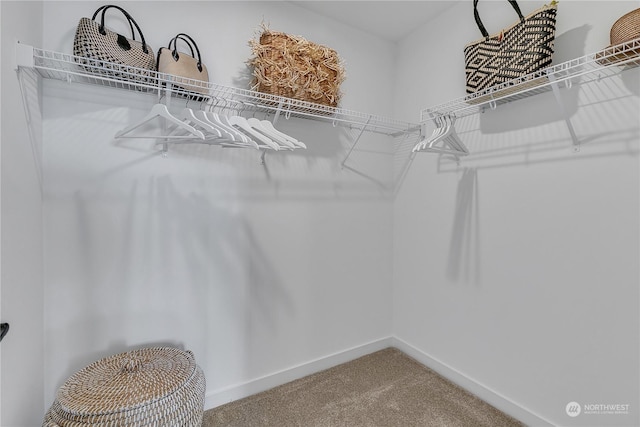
(565, 115)
(355, 141)
(24, 56)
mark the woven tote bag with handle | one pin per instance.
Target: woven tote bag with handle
(523, 48)
(112, 54)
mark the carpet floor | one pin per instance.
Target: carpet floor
(383, 389)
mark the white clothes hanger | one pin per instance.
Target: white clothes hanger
(188, 115)
(236, 138)
(215, 140)
(450, 136)
(217, 120)
(439, 130)
(284, 142)
(243, 124)
(446, 135)
(267, 124)
(161, 110)
(223, 120)
(224, 133)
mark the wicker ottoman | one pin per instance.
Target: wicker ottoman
(159, 386)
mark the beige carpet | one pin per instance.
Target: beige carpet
(382, 389)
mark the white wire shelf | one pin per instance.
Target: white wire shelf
(595, 66)
(74, 69)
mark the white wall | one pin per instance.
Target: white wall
(22, 348)
(516, 271)
(257, 269)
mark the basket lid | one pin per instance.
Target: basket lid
(626, 28)
(126, 381)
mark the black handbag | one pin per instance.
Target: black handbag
(523, 48)
(104, 48)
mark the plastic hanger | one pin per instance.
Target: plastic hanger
(226, 140)
(450, 137)
(267, 124)
(236, 136)
(223, 120)
(225, 133)
(260, 127)
(422, 144)
(243, 124)
(161, 110)
(188, 115)
(446, 135)
(437, 132)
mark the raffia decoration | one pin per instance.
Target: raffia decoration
(293, 67)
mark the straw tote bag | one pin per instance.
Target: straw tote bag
(104, 48)
(191, 72)
(521, 49)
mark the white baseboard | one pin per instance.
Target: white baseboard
(238, 391)
(492, 397)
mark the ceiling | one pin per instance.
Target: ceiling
(390, 20)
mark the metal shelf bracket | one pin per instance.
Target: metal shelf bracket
(355, 141)
(556, 93)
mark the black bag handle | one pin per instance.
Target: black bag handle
(476, 15)
(190, 42)
(174, 51)
(132, 22)
(93, 18)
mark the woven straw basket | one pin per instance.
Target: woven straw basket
(625, 29)
(293, 67)
(160, 386)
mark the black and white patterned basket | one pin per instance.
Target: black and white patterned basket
(105, 52)
(522, 49)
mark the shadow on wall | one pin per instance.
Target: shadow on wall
(568, 45)
(606, 124)
(463, 262)
(156, 264)
(631, 81)
(318, 169)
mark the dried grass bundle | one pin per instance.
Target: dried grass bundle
(293, 67)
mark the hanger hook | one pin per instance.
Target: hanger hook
(287, 114)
